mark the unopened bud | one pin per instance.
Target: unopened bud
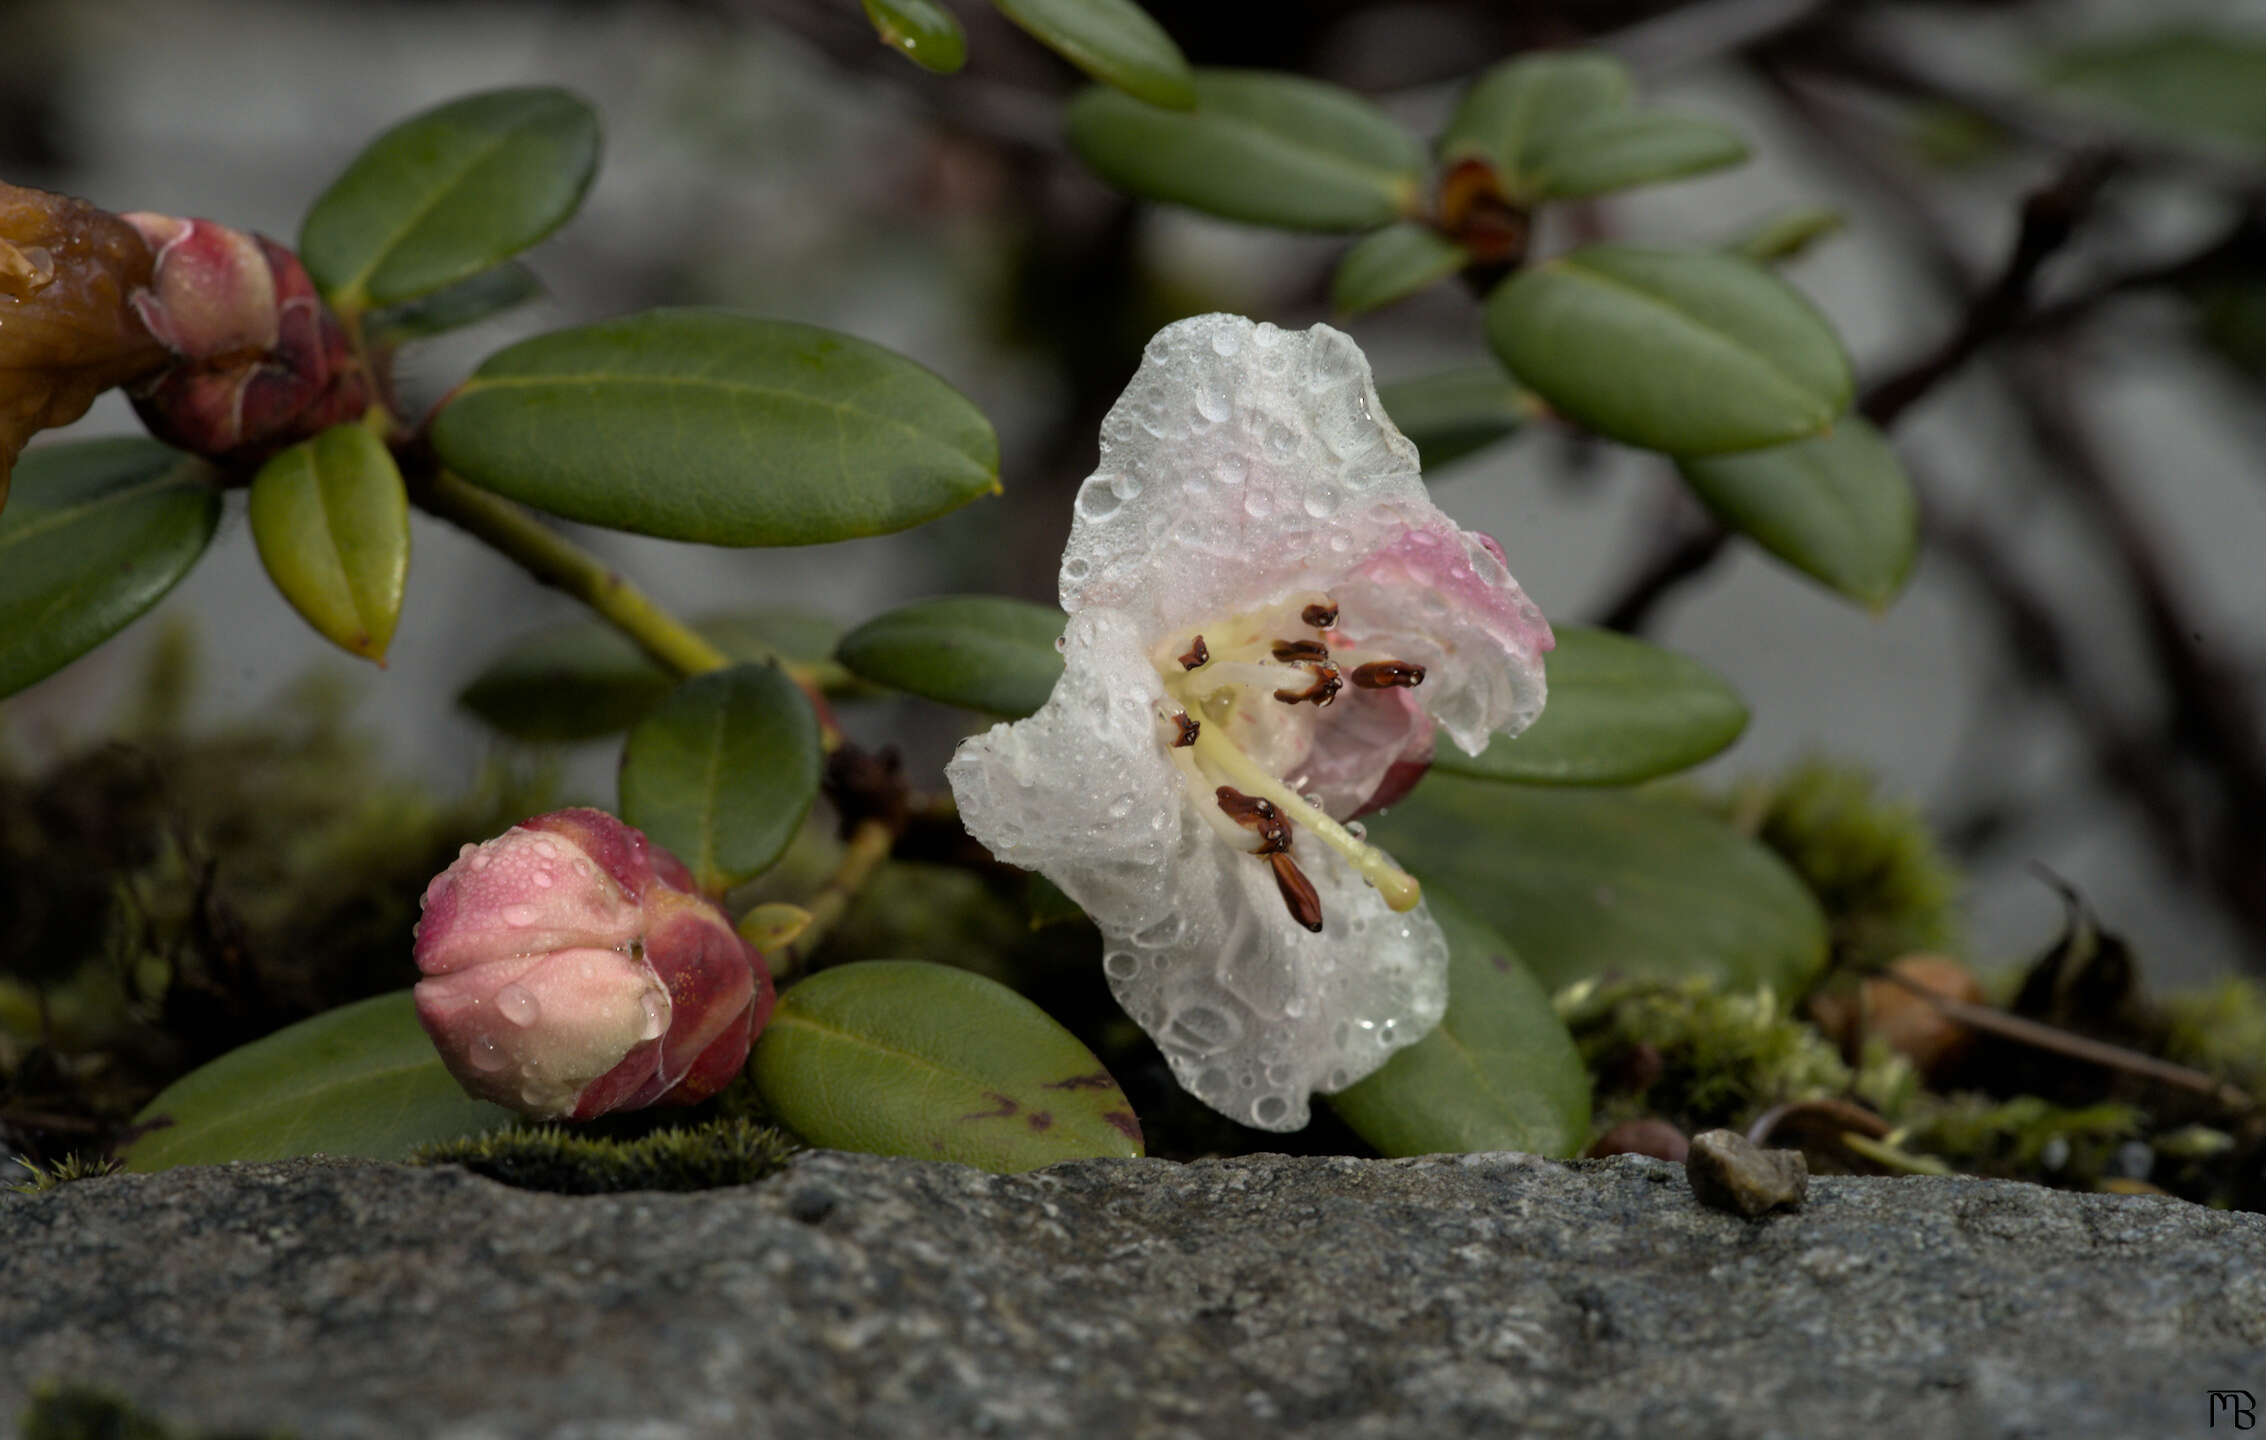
(260, 362)
(68, 330)
(572, 969)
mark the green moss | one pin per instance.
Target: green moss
(706, 1157)
(1886, 888)
(2221, 1031)
(70, 1168)
(60, 1411)
(2025, 1138)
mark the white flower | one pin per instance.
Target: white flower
(1267, 617)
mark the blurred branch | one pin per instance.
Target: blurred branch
(1684, 547)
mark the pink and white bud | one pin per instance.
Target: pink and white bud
(572, 968)
(260, 361)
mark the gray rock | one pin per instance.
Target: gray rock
(854, 1296)
(1728, 1171)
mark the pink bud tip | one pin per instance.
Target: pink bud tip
(572, 969)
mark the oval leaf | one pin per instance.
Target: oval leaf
(94, 534)
(468, 302)
(1114, 41)
(1457, 412)
(1618, 149)
(331, 519)
(446, 194)
(584, 679)
(1518, 104)
(1262, 147)
(360, 1080)
(1620, 711)
(1788, 234)
(2209, 84)
(925, 32)
(1393, 264)
(1836, 506)
(1590, 882)
(1691, 353)
(723, 771)
(701, 425)
(985, 652)
(1498, 1073)
(895, 1057)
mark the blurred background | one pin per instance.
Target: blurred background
(2072, 679)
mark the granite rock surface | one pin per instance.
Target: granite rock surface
(1261, 1296)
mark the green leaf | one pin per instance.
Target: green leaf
(1499, 1073)
(723, 771)
(467, 302)
(1515, 106)
(1620, 711)
(1262, 147)
(707, 426)
(1692, 353)
(1837, 506)
(1787, 234)
(94, 534)
(1620, 148)
(1457, 412)
(895, 1057)
(985, 652)
(925, 32)
(1114, 41)
(2209, 84)
(331, 519)
(1393, 264)
(584, 679)
(360, 1080)
(1586, 882)
(449, 193)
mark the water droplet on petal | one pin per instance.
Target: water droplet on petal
(656, 1016)
(1322, 504)
(487, 1056)
(1212, 401)
(1121, 965)
(544, 879)
(517, 1004)
(1076, 568)
(480, 860)
(518, 915)
(465, 849)
(547, 849)
(1270, 1110)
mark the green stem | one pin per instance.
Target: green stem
(558, 562)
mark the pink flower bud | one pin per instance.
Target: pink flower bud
(260, 362)
(571, 969)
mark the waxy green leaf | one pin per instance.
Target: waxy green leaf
(1498, 1073)
(1262, 147)
(331, 518)
(895, 1057)
(1836, 506)
(1692, 353)
(467, 302)
(94, 534)
(1786, 235)
(360, 1080)
(1393, 264)
(718, 428)
(1620, 711)
(2204, 83)
(1114, 41)
(584, 679)
(1514, 107)
(923, 31)
(985, 652)
(1585, 882)
(722, 772)
(1616, 149)
(447, 194)
(1457, 412)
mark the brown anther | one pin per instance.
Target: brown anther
(1321, 617)
(1297, 891)
(1257, 814)
(1199, 654)
(1189, 726)
(1388, 675)
(1319, 694)
(1300, 650)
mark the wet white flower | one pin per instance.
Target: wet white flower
(1267, 618)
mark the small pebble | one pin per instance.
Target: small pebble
(811, 1204)
(1646, 1136)
(1730, 1172)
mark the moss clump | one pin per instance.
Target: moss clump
(82, 1412)
(70, 1168)
(2025, 1138)
(2220, 1031)
(1886, 888)
(548, 1157)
